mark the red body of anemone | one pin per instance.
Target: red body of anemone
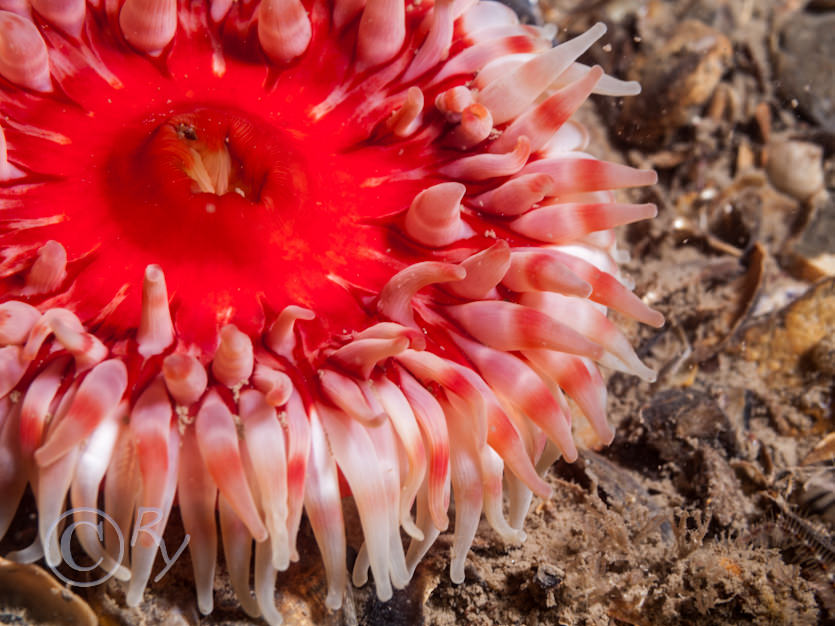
(252, 255)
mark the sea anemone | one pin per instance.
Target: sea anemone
(257, 257)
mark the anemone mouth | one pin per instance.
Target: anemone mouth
(252, 254)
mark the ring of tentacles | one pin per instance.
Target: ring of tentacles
(257, 257)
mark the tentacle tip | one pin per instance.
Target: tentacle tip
(649, 376)
(599, 29)
(631, 88)
(153, 272)
(334, 600)
(413, 531)
(133, 598)
(456, 574)
(122, 574)
(655, 319)
(545, 492)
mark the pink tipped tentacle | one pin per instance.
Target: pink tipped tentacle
(234, 359)
(284, 30)
(68, 15)
(508, 326)
(453, 101)
(264, 441)
(609, 291)
(486, 166)
(486, 15)
(265, 575)
(185, 378)
(586, 319)
(385, 445)
(516, 196)
(606, 86)
(503, 436)
(405, 425)
(354, 452)
(86, 348)
(541, 122)
(520, 386)
(434, 217)
(382, 31)
(475, 126)
(511, 95)
(197, 497)
(98, 395)
(361, 356)
(322, 502)
(577, 174)
(217, 437)
(535, 270)
(43, 328)
(476, 57)
(274, 384)
(53, 483)
(48, 271)
(485, 270)
(561, 223)
(428, 367)
(581, 381)
(467, 488)
(149, 25)
(519, 501)
(428, 527)
(237, 550)
(158, 455)
(436, 45)
(121, 486)
(24, 59)
(16, 321)
(430, 418)
(405, 120)
(35, 410)
(280, 337)
(349, 395)
(492, 468)
(295, 420)
(84, 492)
(395, 299)
(392, 330)
(156, 330)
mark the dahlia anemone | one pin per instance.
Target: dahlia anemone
(257, 257)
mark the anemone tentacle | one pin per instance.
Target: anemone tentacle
(257, 257)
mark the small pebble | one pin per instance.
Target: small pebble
(795, 167)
